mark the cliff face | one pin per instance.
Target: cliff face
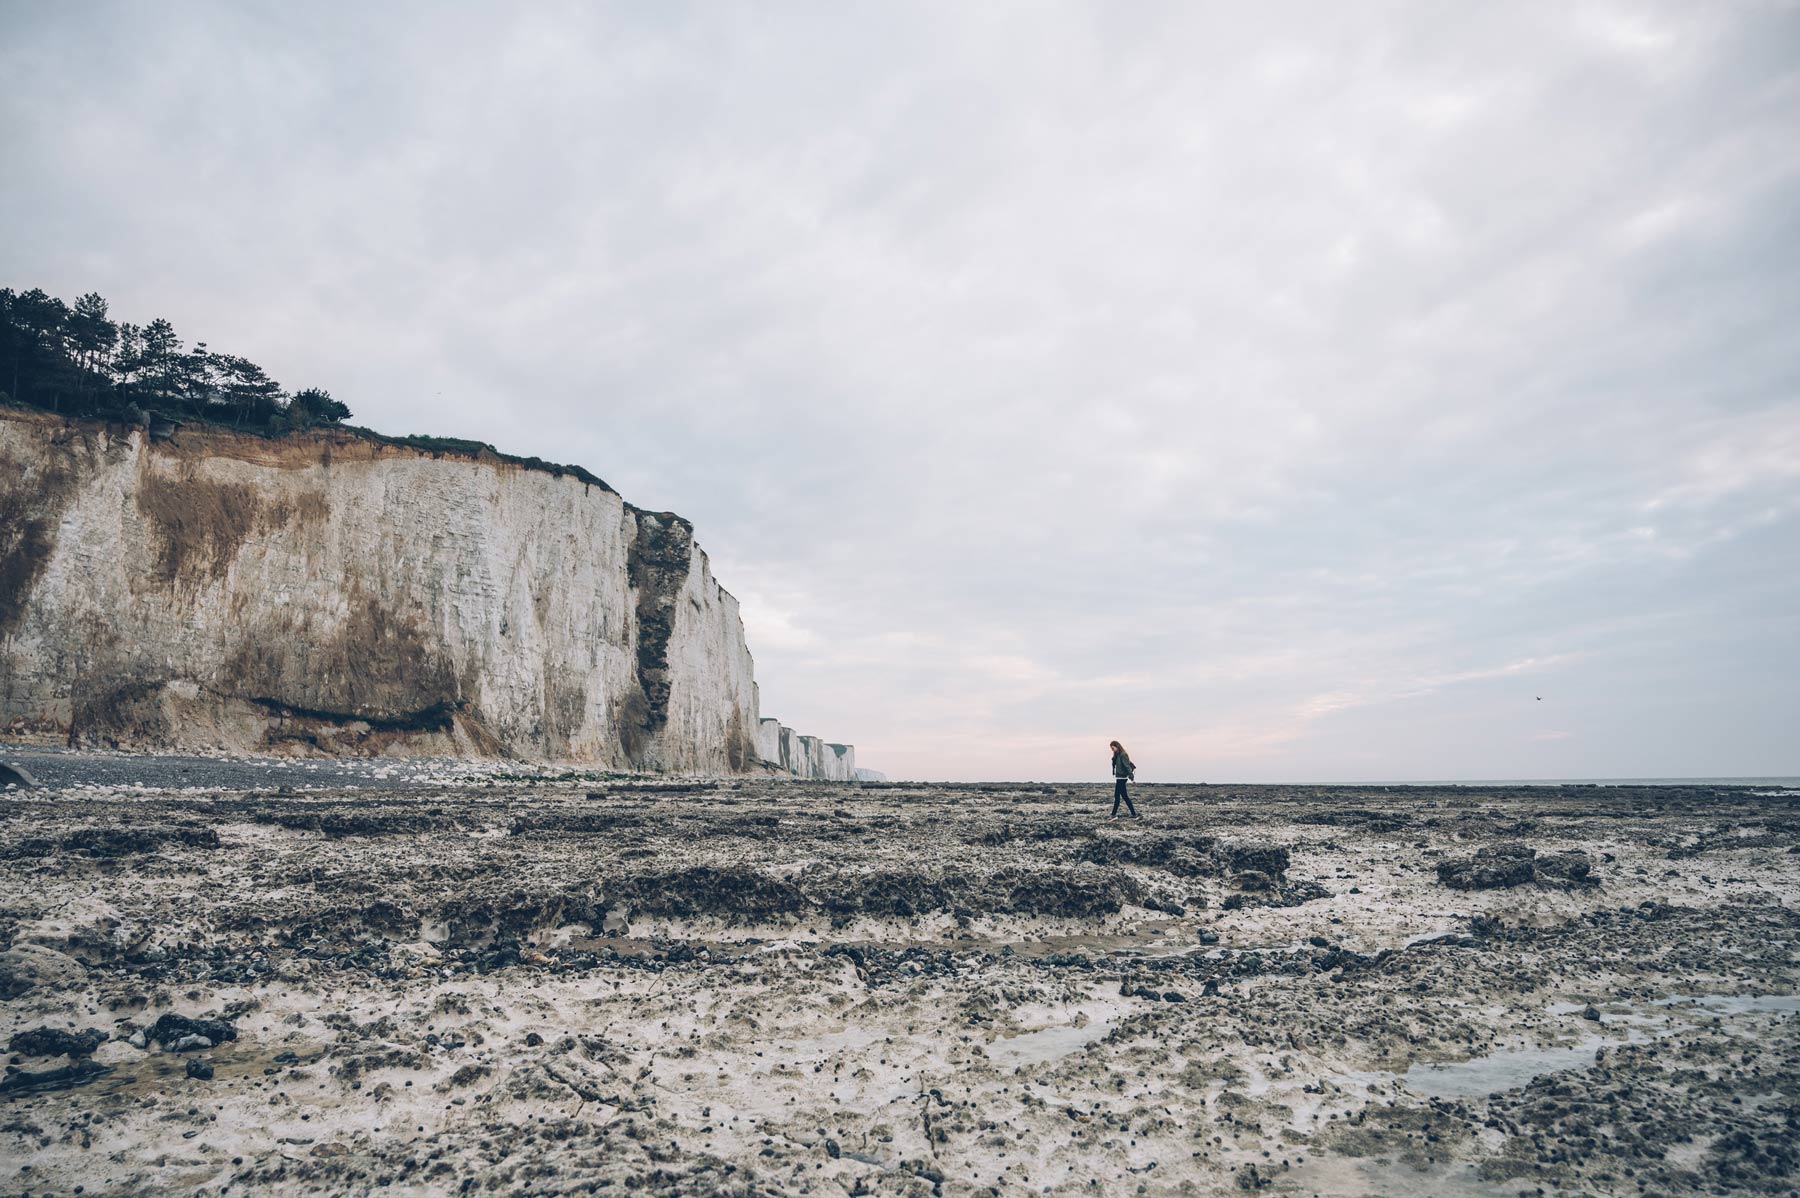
(804, 756)
(333, 593)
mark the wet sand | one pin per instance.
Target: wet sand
(593, 985)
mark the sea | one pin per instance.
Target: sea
(1780, 782)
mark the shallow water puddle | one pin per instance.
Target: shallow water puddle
(1426, 938)
(1491, 1074)
(1047, 1044)
(1481, 1076)
(1735, 1004)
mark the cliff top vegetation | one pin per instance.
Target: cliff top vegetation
(74, 359)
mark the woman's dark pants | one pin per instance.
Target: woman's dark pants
(1119, 792)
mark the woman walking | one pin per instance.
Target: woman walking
(1123, 772)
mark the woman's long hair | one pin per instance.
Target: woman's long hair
(1119, 748)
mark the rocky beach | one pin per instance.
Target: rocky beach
(501, 505)
(427, 978)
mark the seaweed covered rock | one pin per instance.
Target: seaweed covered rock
(25, 966)
(1275, 894)
(180, 1033)
(1270, 859)
(1572, 868)
(475, 919)
(1492, 868)
(122, 840)
(1499, 866)
(1076, 893)
(65, 1077)
(879, 892)
(732, 891)
(56, 1042)
(1185, 856)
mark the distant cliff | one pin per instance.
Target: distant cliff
(332, 592)
(805, 756)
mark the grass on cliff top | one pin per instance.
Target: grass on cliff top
(460, 445)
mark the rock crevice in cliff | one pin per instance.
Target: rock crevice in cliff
(662, 545)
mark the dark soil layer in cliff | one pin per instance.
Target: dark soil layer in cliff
(442, 982)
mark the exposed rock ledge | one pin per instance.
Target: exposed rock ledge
(331, 593)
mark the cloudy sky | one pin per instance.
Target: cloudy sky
(1292, 392)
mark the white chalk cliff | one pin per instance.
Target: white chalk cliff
(332, 592)
(804, 756)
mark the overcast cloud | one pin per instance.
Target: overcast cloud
(1292, 392)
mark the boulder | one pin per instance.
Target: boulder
(15, 775)
(179, 1033)
(86, 928)
(1573, 868)
(1491, 868)
(25, 1081)
(1508, 849)
(1504, 865)
(24, 966)
(56, 1042)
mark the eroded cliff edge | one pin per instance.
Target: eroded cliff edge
(331, 592)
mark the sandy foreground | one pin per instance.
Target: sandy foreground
(583, 985)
